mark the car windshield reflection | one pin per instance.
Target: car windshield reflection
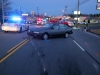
(47, 25)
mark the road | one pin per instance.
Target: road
(78, 54)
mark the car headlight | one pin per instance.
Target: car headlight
(36, 32)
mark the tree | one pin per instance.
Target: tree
(6, 4)
(7, 8)
(94, 15)
(91, 15)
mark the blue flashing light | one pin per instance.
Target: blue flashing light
(16, 18)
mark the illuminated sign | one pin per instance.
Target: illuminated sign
(24, 14)
(76, 12)
(98, 6)
(98, 0)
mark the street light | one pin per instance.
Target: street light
(45, 14)
(63, 11)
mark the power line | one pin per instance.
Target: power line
(81, 2)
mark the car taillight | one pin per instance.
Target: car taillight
(69, 23)
(15, 25)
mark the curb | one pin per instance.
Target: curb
(94, 33)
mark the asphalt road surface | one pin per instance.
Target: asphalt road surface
(79, 54)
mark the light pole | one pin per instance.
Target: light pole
(38, 11)
(3, 11)
(20, 10)
(63, 12)
(65, 9)
(78, 11)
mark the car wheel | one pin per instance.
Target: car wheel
(34, 36)
(45, 36)
(6, 31)
(27, 28)
(20, 30)
(66, 35)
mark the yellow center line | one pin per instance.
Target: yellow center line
(10, 53)
(16, 46)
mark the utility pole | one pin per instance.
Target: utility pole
(78, 11)
(38, 11)
(65, 9)
(20, 10)
(3, 11)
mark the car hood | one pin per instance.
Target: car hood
(39, 29)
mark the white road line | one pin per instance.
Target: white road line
(78, 45)
(95, 67)
(44, 68)
(38, 53)
(34, 46)
(42, 60)
(92, 34)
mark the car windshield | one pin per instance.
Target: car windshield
(11, 21)
(67, 20)
(47, 25)
(22, 22)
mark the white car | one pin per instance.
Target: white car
(12, 25)
(82, 23)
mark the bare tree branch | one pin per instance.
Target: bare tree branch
(7, 4)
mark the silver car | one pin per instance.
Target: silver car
(48, 30)
(12, 25)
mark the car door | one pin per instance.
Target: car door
(22, 25)
(62, 28)
(67, 28)
(26, 26)
(54, 30)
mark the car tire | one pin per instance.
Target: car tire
(66, 35)
(27, 28)
(6, 31)
(45, 36)
(34, 36)
(20, 31)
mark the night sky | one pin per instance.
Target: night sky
(55, 7)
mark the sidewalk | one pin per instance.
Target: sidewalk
(95, 31)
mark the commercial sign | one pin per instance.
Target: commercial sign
(98, 0)
(76, 12)
(98, 6)
(24, 14)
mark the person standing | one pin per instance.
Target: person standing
(87, 25)
(99, 21)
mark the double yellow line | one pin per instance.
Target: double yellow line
(12, 50)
